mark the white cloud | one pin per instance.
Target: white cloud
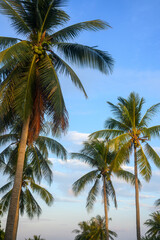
(76, 137)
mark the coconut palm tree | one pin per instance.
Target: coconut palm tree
(29, 70)
(93, 229)
(154, 225)
(100, 155)
(131, 130)
(27, 203)
(36, 166)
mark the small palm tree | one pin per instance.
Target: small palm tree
(36, 166)
(154, 225)
(93, 229)
(27, 202)
(131, 130)
(100, 155)
(30, 68)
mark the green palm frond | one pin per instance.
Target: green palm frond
(83, 157)
(52, 145)
(154, 225)
(45, 195)
(62, 67)
(106, 133)
(110, 191)
(6, 187)
(112, 123)
(7, 42)
(127, 176)
(143, 164)
(86, 56)
(73, 31)
(92, 195)
(7, 8)
(80, 184)
(152, 131)
(151, 153)
(31, 205)
(20, 52)
(5, 200)
(52, 91)
(148, 115)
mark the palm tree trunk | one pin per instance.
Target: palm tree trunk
(105, 208)
(13, 213)
(137, 196)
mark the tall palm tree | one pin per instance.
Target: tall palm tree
(100, 155)
(154, 225)
(131, 130)
(93, 229)
(29, 72)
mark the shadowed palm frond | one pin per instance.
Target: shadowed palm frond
(92, 195)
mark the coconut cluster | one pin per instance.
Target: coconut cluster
(39, 51)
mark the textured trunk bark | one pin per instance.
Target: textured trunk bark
(137, 196)
(105, 208)
(13, 213)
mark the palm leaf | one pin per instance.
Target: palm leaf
(80, 184)
(148, 115)
(7, 42)
(92, 195)
(73, 31)
(143, 164)
(152, 154)
(86, 56)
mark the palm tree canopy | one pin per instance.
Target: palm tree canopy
(93, 229)
(130, 129)
(30, 66)
(99, 155)
(154, 225)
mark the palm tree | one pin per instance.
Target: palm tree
(100, 155)
(27, 203)
(29, 70)
(154, 225)
(36, 166)
(93, 229)
(132, 131)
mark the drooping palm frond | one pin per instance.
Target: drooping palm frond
(144, 166)
(92, 195)
(80, 184)
(62, 67)
(6, 42)
(86, 56)
(151, 153)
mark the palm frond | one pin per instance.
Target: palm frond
(86, 56)
(143, 164)
(148, 115)
(7, 8)
(73, 31)
(80, 184)
(106, 133)
(63, 67)
(7, 42)
(151, 153)
(92, 195)
(45, 195)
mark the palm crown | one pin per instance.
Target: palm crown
(29, 72)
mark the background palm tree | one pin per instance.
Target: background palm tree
(29, 72)
(100, 155)
(131, 130)
(37, 166)
(154, 225)
(93, 229)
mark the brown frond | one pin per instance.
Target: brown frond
(37, 117)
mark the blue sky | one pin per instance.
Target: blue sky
(133, 41)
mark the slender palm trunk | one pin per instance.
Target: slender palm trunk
(13, 213)
(137, 196)
(105, 208)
